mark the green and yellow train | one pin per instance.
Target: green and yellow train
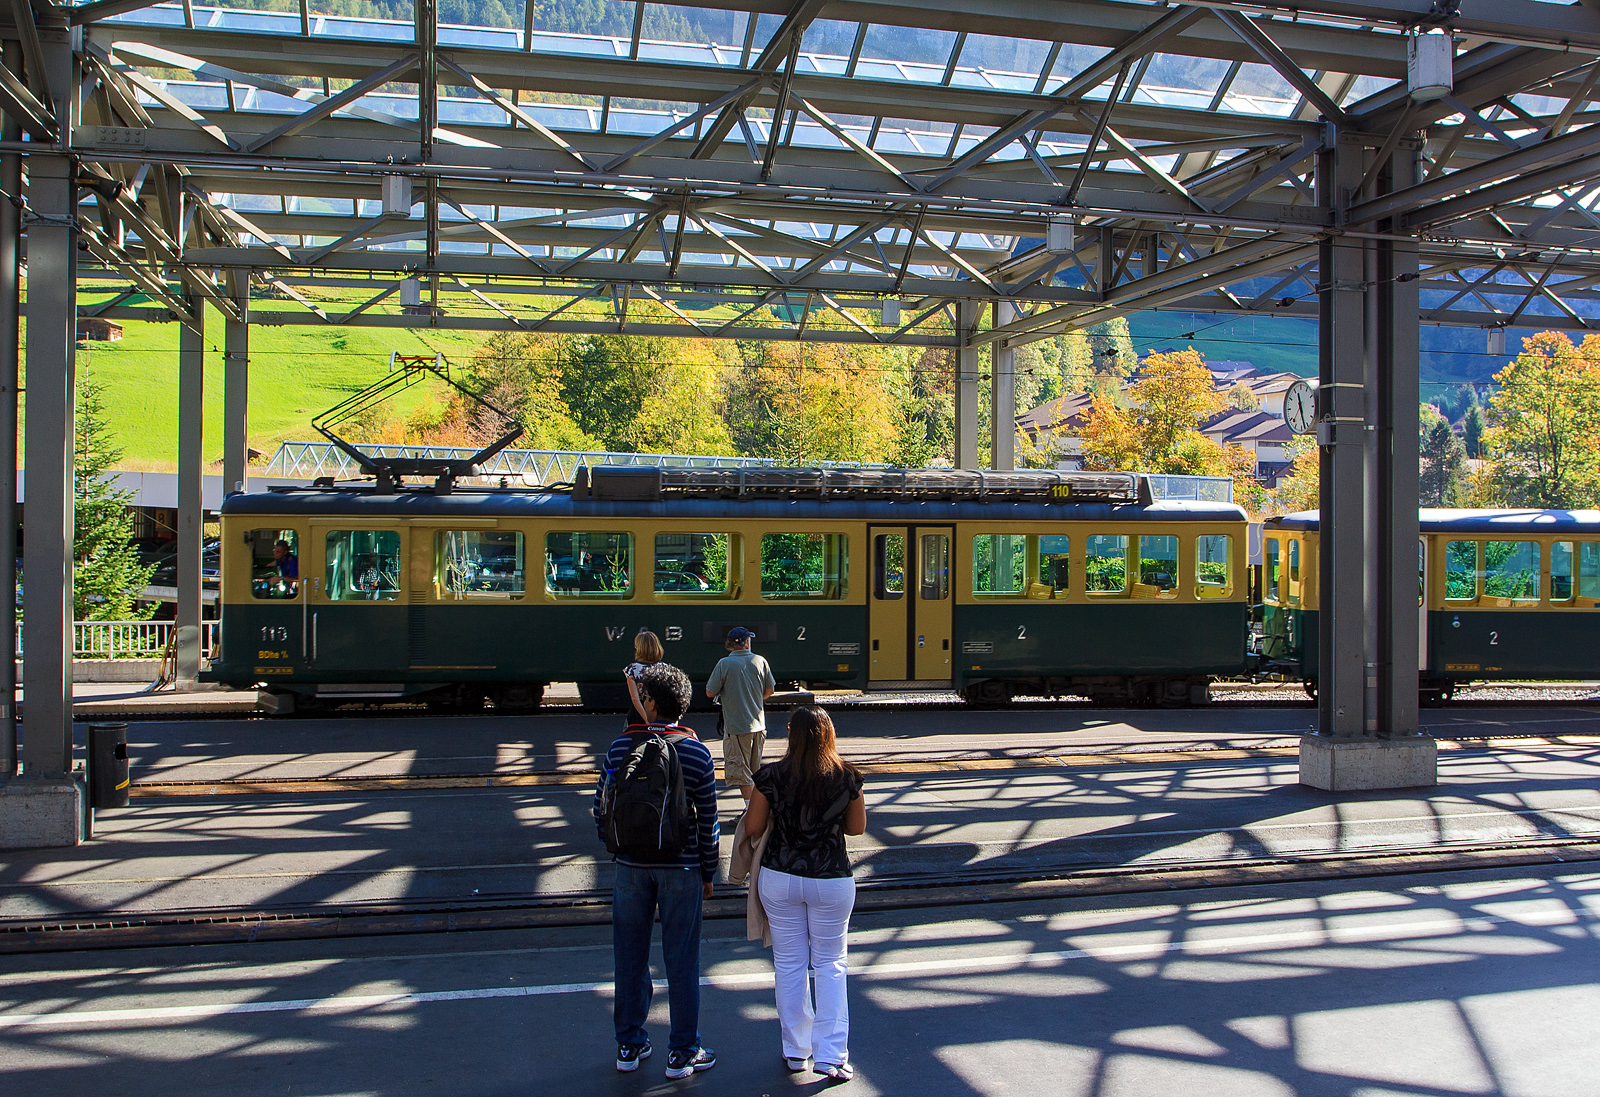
(987, 583)
(1502, 595)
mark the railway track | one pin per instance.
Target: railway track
(71, 932)
(148, 788)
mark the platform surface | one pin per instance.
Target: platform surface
(1039, 798)
(1448, 984)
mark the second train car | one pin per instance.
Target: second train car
(1502, 595)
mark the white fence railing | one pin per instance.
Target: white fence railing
(128, 639)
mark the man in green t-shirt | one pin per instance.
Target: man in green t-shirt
(743, 681)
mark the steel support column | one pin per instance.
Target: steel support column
(10, 240)
(1367, 429)
(966, 410)
(1003, 396)
(236, 388)
(47, 553)
(1341, 433)
(191, 476)
(1394, 460)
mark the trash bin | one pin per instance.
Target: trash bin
(108, 765)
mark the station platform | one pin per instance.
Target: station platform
(333, 814)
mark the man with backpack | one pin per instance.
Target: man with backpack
(657, 812)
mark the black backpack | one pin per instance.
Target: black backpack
(644, 809)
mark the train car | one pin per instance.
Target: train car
(986, 583)
(1502, 595)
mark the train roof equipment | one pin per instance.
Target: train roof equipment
(406, 370)
(621, 483)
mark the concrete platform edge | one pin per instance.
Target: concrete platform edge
(41, 814)
(1354, 765)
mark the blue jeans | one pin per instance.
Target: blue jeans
(635, 898)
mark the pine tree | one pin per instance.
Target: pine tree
(1472, 425)
(107, 576)
(1444, 461)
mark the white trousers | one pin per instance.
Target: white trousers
(810, 920)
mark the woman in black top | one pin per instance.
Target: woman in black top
(813, 799)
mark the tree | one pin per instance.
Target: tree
(1543, 424)
(107, 577)
(1444, 460)
(1301, 488)
(1242, 397)
(1472, 428)
(1111, 347)
(1157, 433)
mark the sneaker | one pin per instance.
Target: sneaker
(684, 1061)
(796, 1066)
(839, 1072)
(630, 1055)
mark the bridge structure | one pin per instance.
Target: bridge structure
(976, 174)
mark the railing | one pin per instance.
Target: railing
(1209, 489)
(531, 467)
(128, 639)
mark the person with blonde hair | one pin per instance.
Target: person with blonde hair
(647, 652)
(805, 803)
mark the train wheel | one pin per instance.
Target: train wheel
(517, 697)
(988, 694)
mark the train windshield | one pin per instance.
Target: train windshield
(274, 563)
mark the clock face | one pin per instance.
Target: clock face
(1300, 408)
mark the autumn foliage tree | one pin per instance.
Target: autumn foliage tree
(1542, 443)
(1158, 431)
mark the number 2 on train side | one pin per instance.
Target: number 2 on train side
(801, 634)
(1494, 638)
(1022, 632)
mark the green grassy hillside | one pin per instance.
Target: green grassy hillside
(295, 373)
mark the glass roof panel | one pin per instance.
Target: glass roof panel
(363, 28)
(1174, 72)
(829, 36)
(1365, 86)
(1258, 89)
(613, 18)
(363, 9)
(919, 46)
(719, 35)
(1019, 56)
(1071, 61)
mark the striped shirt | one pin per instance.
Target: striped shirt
(699, 784)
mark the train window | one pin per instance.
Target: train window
(1158, 567)
(889, 566)
(1511, 572)
(1272, 550)
(1461, 571)
(1294, 572)
(589, 565)
(1105, 564)
(363, 565)
(274, 563)
(933, 561)
(1055, 563)
(692, 564)
(1589, 569)
(1561, 571)
(1213, 565)
(999, 563)
(805, 565)
(479, 564)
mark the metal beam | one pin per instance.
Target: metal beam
(10, 306)
(236, 386)
(1257, 39)
(191, 475)
(966, 384)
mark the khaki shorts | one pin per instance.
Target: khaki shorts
(741, 757)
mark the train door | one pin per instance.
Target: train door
(1422, 605)
(932, 613)
(889, 611)
(910, 614)
(357, 615)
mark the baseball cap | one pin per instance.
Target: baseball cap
(740, 633)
